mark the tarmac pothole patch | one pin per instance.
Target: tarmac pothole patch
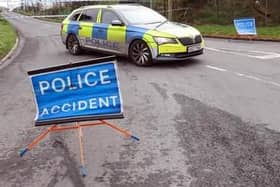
(223, 150)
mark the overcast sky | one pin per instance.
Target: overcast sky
(15, 3)
(3, 3)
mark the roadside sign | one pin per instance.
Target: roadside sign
(82, 91)
(245, 26)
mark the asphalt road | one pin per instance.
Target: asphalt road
(210, 121)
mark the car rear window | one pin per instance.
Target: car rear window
(89, 15)
(75, 16)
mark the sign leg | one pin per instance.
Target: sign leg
(122, 131)
(82, 159)
(36, 141)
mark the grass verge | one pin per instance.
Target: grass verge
(8, 37)
(268, 32)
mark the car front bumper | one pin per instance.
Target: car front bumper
(177, 56)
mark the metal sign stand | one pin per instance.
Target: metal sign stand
(78, 126)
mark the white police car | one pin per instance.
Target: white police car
(130, 30)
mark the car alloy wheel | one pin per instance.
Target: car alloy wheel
(140, 53)
(73, 45)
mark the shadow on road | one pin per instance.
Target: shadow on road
(123, 61)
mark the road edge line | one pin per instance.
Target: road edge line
(241, 39)
(11, 52)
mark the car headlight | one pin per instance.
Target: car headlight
(161, 40)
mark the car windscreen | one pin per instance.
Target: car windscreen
(142, 16)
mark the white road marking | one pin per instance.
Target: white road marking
(273, 83)
(230, 52)
(252, 77)
(272, 56)
(240, 74)
(244, 75)
(266, 54)
(215, 68)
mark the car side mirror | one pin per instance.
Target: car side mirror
(117, 23)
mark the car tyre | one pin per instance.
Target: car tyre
(140, 53)
(73, 45)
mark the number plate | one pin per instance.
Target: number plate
(193, 48)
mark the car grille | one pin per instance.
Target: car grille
(190, 41)
(186, 41)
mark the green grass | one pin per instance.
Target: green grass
(8, 37)
(269, 32)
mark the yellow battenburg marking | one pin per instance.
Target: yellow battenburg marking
(159, 34)
(65, 26)
(203, 43)
(148, 38)
(150, 41)
(86, 30)
(98, 20)
(172, 48)
(116, 34)
(165, 48)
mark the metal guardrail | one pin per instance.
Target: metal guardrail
(49, 16)
(161, 11)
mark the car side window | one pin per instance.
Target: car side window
(75, 16)
(89, 15)
(108, 16)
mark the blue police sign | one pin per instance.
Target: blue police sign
(245, 26)
(80, 91)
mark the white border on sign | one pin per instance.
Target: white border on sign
(114, 62)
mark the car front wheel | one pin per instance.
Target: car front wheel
(73, 45)
(140, 53)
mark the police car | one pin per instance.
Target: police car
(130, 30)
